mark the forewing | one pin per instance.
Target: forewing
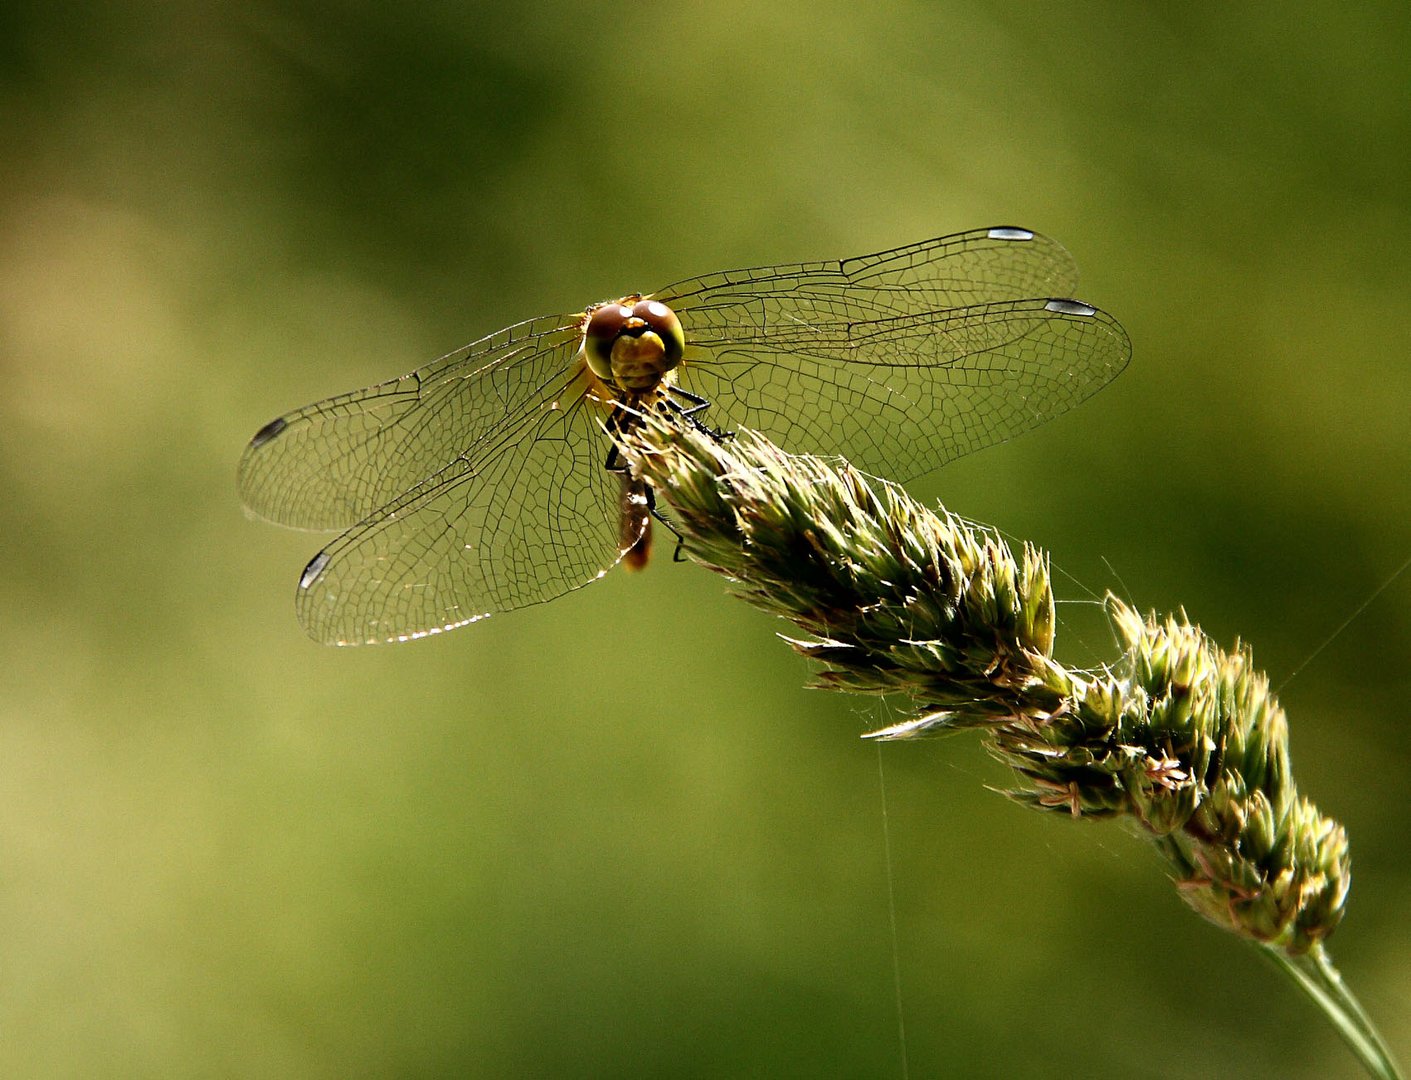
(333, 464)
(977, 267)
(527, 518)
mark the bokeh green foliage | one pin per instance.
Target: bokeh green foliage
(613, 836)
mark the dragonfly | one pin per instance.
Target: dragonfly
(489, 480)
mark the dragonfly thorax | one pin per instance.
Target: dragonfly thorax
(632, 343)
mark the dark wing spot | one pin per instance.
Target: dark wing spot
(268, 432)
(313, 570)
(1071, 307)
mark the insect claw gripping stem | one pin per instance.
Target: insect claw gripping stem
(698, 404)
(1178, 735)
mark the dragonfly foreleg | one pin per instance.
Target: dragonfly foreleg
(696, 404)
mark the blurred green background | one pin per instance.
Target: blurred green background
(614, 836)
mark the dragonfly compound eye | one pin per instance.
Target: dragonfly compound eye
(662, 322)
(632, 347)
(604, 325)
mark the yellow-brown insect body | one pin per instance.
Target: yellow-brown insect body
(632, 345)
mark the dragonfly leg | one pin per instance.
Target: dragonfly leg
(620, 421)
(676, 555)
(614, 462)
(696, 404)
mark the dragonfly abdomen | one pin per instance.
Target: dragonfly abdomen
(635, 509)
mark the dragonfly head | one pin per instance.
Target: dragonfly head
(632, 343)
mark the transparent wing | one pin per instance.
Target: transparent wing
(976, 267)
(901, 397)
(332, 464)
(527, 516)
(903, 360)
(471, 486)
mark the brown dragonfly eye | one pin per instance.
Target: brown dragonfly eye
(607, 322)
(662, 321)
(604, 327)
